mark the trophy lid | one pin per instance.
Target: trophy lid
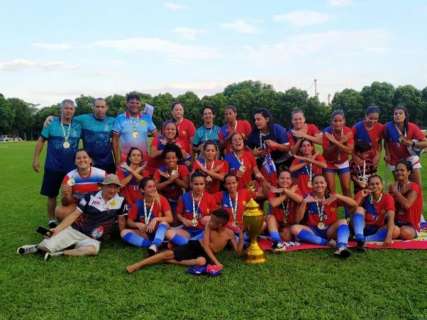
(252, 208)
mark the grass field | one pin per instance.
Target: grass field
(300, 285)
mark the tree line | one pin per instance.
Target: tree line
(24, 119)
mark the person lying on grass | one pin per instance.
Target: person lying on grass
(199, 252)
(83, 228)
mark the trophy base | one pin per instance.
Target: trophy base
(254, 254)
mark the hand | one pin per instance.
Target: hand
(152, 225)
(141, 226)
(331, 138)
(393, 188)
(365, 192)
(259, 152)
(259, 176)
(67, 191)
(387, 241)
(277, 190)
(201, 166)
(36, 165)
(405, 141)
(331, 199)
(53, 232)
(271, 144)
(187, 222)
(174, 175)
(299, 157)
(309, 199)
(299, 134)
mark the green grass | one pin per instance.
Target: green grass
(300, 285)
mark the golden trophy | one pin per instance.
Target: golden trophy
(253, 219)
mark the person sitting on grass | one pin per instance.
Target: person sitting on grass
(148, 218)
(193, 211)
(322, 226)
(284, 202)
(408, 200)
(77, 183)
(374, 219)
(199, 252)
(83, 229)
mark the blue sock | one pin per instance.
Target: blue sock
(275, 236)
(160, 234)
(309, 236)
(378, 236)
(343, 232)
(358, 221)
(136, 240)
(179, 240)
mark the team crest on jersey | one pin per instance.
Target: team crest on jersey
(143, 123)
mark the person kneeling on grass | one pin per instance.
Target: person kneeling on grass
(199, 252)
(84, 227)
(149, 218)
(322, 224)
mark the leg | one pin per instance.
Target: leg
(358, 223)
(416, 176)
(345, 180)
(160, 234)
(63, 211)
(51, 205)
(82, 251)
(135, 237)
(286, 234)
(330, 180)
(178, 237)
(340, 231)
(156, 259)
(200, 261)
(305, 234)
(273, 228)
(407, 233)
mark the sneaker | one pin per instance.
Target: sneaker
(53, 223)
(47, 256)
(27, 249)
(360, 246)
(280, 246)
(152, 250)
(342, 252)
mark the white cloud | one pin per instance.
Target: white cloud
(241, 26)
(23, 64)
(319, 47)
(340, 3)
(302, 18)
(52, 46)
(188, 33)
(170, 49)
(173, 6)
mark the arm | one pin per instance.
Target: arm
(347, 200)
(36, 157)
(116, 150)
(206, 245)
(406, 202)
(237, 246)
(68, 221)
(390, 227)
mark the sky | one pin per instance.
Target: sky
(52, 50)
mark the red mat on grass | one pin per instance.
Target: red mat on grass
(419, 244)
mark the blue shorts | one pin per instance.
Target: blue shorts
(51, 184)
(371, 229)
(195, 233)
(339, 171)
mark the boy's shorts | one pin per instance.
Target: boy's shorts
(51, 184)
(192, 250)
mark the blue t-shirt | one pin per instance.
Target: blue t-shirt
(96, 136)
(277, 133)
(133, 131)
(204, 134)
(59, 158)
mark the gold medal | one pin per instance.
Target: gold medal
(135, 134)
(208, 179)
(321, 226)
(242, 168)
(194, 222)
(66, 144)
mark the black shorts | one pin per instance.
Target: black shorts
(192, 250)
(52, 181)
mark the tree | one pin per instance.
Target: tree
(411, 98)
(192, 107)
(23, 119)
(84, 104)
(352, 103)
(6, 116)
(116, 104)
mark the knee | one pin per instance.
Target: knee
(92, 250)
(295, 229)
(164, 224)
(286, 234)
(124, 232)
(201, 261)
(170, 234)
(341, 222)
(360, 210)
(407, 233)
(396, 232)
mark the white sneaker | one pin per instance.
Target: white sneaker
(280, 247)
(27, 249)
(48, 255)
(152, 250)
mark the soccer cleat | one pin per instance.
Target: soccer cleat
(197, 270)
(53, 223)
(152, 250)
(342, 252)
(27, 249)
(280, 246)
(360, 246)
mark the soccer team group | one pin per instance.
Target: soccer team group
(182, 193)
